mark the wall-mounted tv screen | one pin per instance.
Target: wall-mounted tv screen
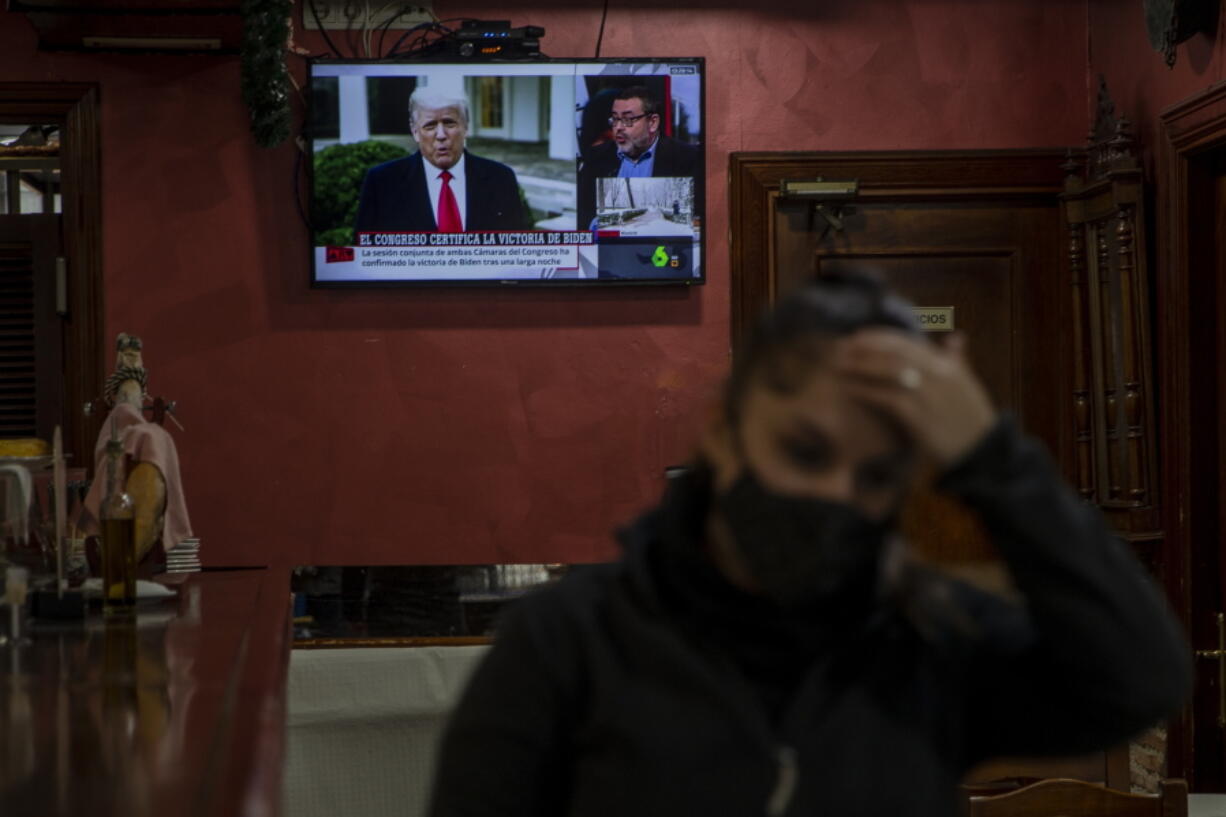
(577, 172)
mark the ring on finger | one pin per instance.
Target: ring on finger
(910, 378)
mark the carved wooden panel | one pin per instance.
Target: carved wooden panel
(1112, 383)
(1083, 397)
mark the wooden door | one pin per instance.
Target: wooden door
(1208, 466)
(1191, 336)
(982, 232)
(979, 232)
(74, 108)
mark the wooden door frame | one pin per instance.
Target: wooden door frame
(1189, 128)
(74, 106)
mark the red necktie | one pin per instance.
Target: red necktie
(448, 210)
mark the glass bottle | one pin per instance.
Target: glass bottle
(118, 536)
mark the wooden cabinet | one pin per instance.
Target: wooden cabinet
(1112, 367)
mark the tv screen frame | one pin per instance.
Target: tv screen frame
(660, 242)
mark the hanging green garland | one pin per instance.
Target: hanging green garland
(265, 78)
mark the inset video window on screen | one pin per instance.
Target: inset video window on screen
(544, 172)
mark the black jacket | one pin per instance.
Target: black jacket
(672, 158)
(603, 696)
(395, 197)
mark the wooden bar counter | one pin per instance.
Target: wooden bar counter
(180, 711)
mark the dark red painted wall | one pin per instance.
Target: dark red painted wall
(1138, 78)
(338, 427)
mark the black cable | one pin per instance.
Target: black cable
(383, 53)
(422, 31)
(336, 52)
(415, 29)
(353, 50)
(604, 15)
(422, 46)
(391, 18)
(457, 20)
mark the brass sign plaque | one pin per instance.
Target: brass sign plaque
(935, 318)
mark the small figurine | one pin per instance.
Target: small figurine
(129, 381)
(153, 480)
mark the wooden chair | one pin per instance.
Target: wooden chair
(1077, 798)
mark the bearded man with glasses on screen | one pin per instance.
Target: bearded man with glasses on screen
(639, 149)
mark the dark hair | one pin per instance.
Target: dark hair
(640, 92)
(791, 339)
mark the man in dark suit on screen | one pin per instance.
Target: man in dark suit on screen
(638, 149)
(442, 187)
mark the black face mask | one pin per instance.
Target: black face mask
(799, 549)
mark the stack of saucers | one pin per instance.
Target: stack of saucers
(184, 557)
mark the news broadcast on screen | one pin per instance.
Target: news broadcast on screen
(546, 172)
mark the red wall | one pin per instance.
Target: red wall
(1138, 78)
(339, 427)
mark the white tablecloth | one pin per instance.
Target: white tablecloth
(363, 727)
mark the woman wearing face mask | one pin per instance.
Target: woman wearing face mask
(765, 647)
